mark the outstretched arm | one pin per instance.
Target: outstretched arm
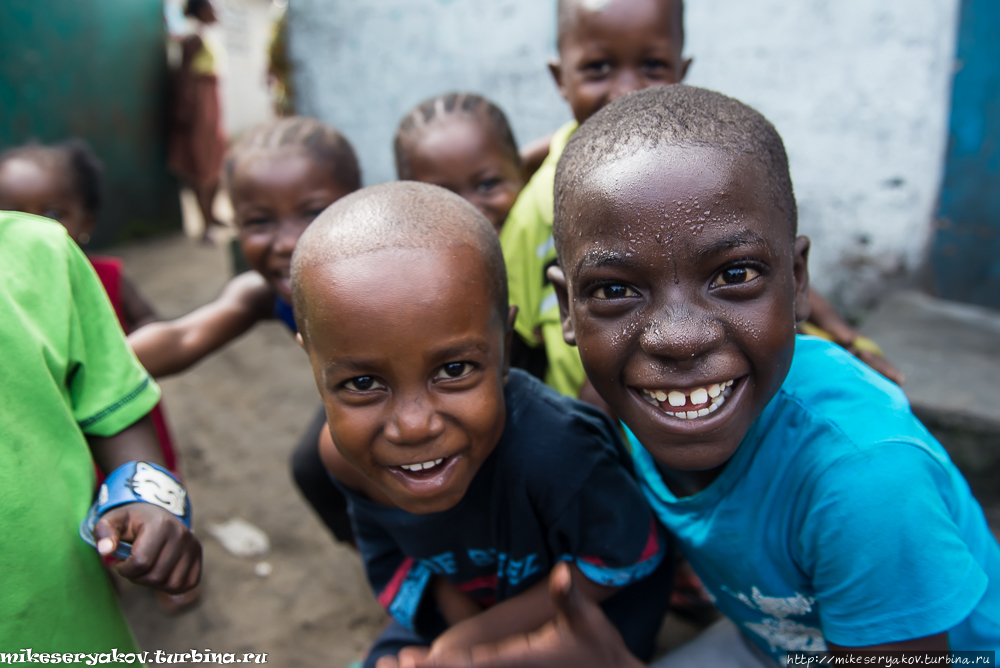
(172, 346)
(525, 612)
(580, 636)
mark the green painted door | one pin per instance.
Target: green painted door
(94, 69)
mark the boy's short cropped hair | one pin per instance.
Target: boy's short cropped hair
(675, 115)
(566, 14)
(400, 214)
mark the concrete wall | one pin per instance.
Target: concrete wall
(859, 91)
(246, 27)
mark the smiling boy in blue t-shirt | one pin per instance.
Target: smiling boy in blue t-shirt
(813, 505)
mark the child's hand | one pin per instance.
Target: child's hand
(580, 636)
(165, 554)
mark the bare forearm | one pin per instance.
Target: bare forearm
(525, 612)
(166, 348)
(170, 347)
(137, 442)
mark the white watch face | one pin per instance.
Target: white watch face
(158, 488)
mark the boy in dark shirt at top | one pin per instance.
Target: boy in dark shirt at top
(467, 482)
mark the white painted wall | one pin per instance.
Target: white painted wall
(245, 28)
(858, 89)
(240, 41)
(362, 64)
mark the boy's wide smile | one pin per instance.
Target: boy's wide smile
(681, 286)
(690, 404)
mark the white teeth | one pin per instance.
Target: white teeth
(675, 398)
(421, 467)
(716, 392)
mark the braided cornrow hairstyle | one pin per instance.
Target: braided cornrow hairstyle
(319, 141)
(416, 123)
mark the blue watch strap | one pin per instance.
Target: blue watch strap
(137, 482)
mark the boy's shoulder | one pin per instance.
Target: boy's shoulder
(27, 233)
(829, 397)
(547, 432)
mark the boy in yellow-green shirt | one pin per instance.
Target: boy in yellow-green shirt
(605, 52)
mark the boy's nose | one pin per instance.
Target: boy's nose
(681, 334)
(286, 237)
(413, 422)
(627, 81)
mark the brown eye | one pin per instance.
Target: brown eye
(363, 384)
(453, 370)
(615, 292)
(735, 276)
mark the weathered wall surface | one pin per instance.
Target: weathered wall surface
(362, 65)
(859, 91)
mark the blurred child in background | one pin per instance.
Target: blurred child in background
(462, 142)
(63, 182)
(197, 141)
(280, 176)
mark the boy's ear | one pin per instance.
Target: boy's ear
(558, 278)
(685, 66)
(800, 272)
(556, 70)
(508, 340)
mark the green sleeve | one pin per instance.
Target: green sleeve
(523, 234)
(526, 239)
(109, 389)
(565, 373)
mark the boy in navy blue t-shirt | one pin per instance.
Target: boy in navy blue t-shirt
(467, 482)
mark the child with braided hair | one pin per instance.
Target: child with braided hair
(281, 175)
